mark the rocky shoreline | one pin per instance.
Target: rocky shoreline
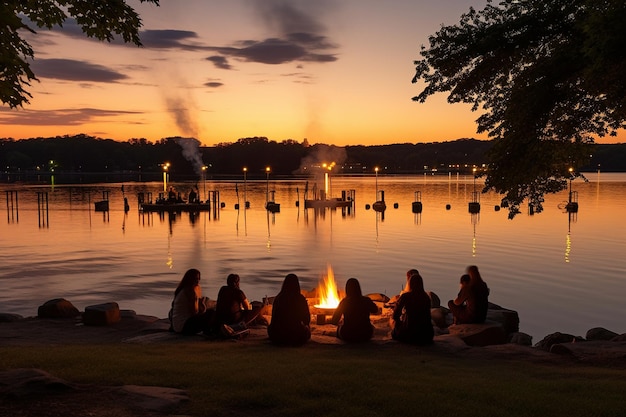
(59, 322)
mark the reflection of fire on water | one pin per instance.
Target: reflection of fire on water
(327, 291)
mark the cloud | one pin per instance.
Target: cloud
(73, 70)
(299, 36)
(57, 117)
(288, 16)
(219, 61)
(170, 39)
(213, 84)
(279, 51)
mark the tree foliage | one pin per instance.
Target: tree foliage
(548, 77)
(99, 19)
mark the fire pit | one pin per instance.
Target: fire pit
(327, 297)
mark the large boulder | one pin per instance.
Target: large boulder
(556, 338)
(519, 338)
(509, 319)
(441, 317)
(483, 334)
(600, 333)
(58, 308)
(102, 314)
(9, 317)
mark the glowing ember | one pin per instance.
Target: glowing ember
(327, 291)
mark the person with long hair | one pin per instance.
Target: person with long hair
(472, 302)
(355, 309)
(189, 313)
(411, 321)
(291, 319)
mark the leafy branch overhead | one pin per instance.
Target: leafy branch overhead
(99, 19)
(548, 78)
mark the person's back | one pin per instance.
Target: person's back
(413, 323)
(290, 315)
(478, 302)
(355, 309)
(228, 308)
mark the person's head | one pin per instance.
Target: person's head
(475, 277)
(410, 273)
(353, 288)
(232, 280)
(416, 283)
(465, 280)
(190, 279)
(291, 285)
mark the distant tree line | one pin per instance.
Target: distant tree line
(83, 155)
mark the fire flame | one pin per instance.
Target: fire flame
(327, 291)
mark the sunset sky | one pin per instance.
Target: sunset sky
(331, 71)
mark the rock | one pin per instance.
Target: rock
(435, 301)
(555, 338)
(620, 338)
(102, 314)
(440, 317)
(600, 333)
(35, 385)
(484, 334)
(602, 351)
(23, 382)
(519, 338)
(509, 319)
(128, 314)
(58, 308)
(9, 317)
(381, 298)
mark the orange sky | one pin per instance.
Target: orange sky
(220, 71)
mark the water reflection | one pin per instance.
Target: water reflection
(139, 264)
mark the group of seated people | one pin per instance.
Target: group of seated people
(290, 323)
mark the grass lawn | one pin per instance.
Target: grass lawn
(238, 379)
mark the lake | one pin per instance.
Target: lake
(561, 271)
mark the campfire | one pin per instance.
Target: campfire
(327, 292)
(327, 295)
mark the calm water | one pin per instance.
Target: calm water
(561, 272)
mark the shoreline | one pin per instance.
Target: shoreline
(133, 328)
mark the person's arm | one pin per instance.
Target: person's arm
(373, 306)
(397, 311)
(460, 299)
(243, 301)
(305, 313)
(338, 313)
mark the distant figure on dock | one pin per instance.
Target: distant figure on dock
(171, 195)
(355, 310)
(193, 196)
(290, 324)
(190, 313)
(233, 307)
(471, 305)
(411, 321)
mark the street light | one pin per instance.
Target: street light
(204, 168)
(474, 172)
(245, 188)
(165, 167)
(376, 171)
(571, 171)
(267, 189)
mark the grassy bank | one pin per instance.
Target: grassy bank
(238, 379)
